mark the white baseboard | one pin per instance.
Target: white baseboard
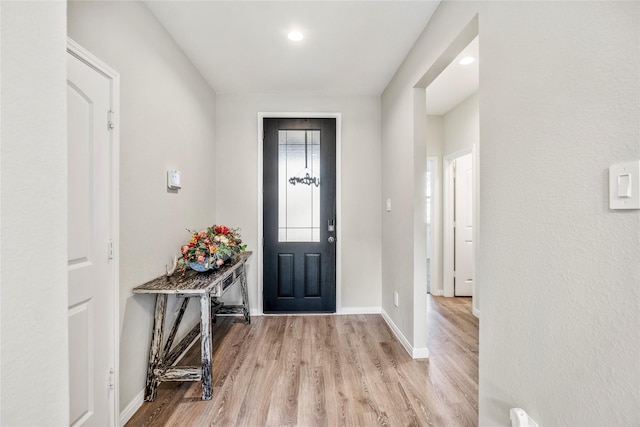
(476, 312)
(416, 353)
(131, 408)
(437, 293)
(360, 310)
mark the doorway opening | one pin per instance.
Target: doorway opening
(299, 215)
(338, 207)
(93, 267)
(453, 137)
(459, 220)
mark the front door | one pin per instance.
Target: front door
(90, 268)
(299, 267)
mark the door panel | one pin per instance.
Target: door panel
(463, 282)
(299, 205)
(89, 272)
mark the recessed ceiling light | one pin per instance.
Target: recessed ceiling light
(295, 36)
(467, 60)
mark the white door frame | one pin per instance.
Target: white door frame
(436, 228)
(114, 318)
(448, 213)
(294, 115)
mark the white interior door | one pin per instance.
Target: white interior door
(91, 281)
(463, 281)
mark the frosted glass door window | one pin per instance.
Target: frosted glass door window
(299, 185)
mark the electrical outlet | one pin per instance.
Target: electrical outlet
(395, 299)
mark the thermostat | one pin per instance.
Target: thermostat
(173, 179)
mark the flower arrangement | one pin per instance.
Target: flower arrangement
(210, 248)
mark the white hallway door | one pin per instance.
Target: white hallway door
(90, 270)
(463, 282)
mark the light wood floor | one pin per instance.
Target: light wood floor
(330, 371)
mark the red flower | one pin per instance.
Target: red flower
(222, 229)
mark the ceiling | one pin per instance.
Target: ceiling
(456, 83)
(349, 47)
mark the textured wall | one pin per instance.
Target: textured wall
(237, 160)
(461, 126)
(435, 136)
(34, 348)
(561, 270)
(558, 271)
(167, 116)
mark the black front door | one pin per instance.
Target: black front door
(299, 215)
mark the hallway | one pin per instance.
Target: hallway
(329, 371)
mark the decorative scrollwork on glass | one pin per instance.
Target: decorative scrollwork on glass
(306, 179)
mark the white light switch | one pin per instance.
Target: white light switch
(173, 179)
(624, 185)
(388, 205)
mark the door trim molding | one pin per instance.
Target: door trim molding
(436, 228)
(94, 62)
(296, 115)
(447, 216)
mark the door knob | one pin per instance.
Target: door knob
(332, 239)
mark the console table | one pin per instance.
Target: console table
(207, 287)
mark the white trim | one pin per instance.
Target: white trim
(436, 228)
(415, 353)
(438, 293)
(447, 215)
(259, 254)
(447, 227)
(94, 62)
(360, 310)
(131, 408)
(475, 298)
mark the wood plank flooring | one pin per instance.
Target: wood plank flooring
(329, 371)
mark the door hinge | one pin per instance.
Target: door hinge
(454, 274)
(112, 377)
(110, 248)
(110, 120)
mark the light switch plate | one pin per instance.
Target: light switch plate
(388, 205)
(173, 179)
(624, 185)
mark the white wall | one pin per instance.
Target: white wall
(461, 126)
(167, 114)
(34, 363)
(237, 182)
(435, 136)
(560, 91)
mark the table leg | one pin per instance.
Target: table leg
(245, 295)
(205, 342)
(155, 355)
